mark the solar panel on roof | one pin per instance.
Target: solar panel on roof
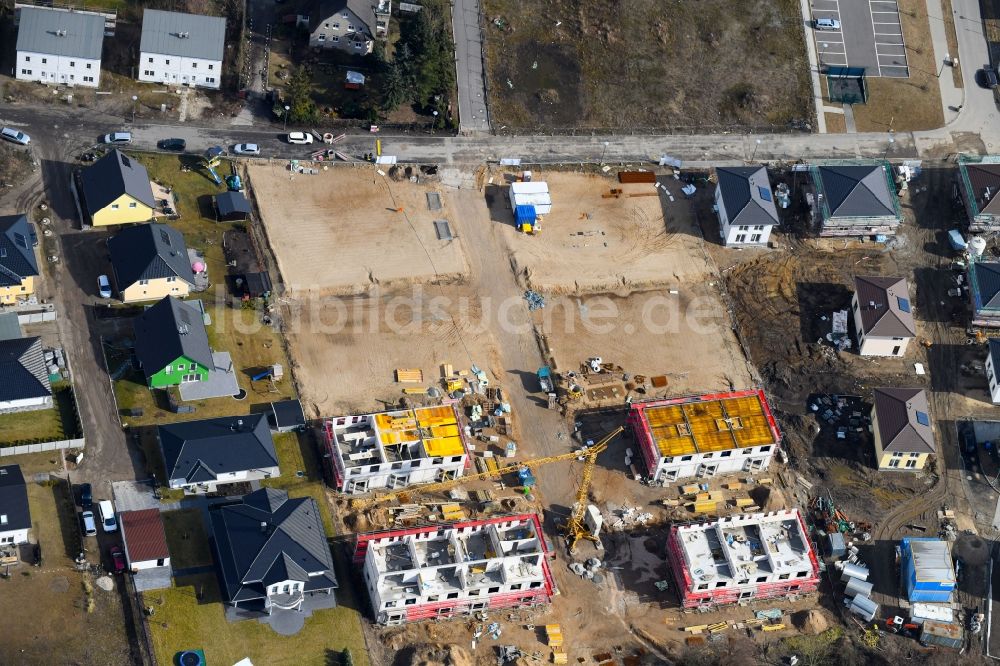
(184, 317)
(164, 237)
(20, 240)
(923, 419)
(904, 304)
(765, 193)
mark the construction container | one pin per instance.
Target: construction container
(531, 194)
(927, 571)
(863, 607)
(857, 587)
(853, 571)
(835, 545)
(944, 634)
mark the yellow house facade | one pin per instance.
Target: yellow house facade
(116, 190)
(18, 265)
(902, 429)
(149, 262)
(9, 295)
(155, 290)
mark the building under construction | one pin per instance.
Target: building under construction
(705, 435)
(456, 569)
(743, 557)
(395, 449)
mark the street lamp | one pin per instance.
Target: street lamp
(947, 58)
(604, 152)
(287, 109)
(892, 140)
(754, 153)
(134, 100)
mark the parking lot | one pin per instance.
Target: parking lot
(870, 36)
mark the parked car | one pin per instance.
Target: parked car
(827, 24)
(117, 559)
(171, 144)
(86, 496)
(108, 520)
(88, 524)
(118, 137)
(986, 77)
(246, 149)
(300, 138)
(14, 135)
(104, 286)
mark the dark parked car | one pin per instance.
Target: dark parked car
(117, 559)
(986, 77)
(86, 496)
(171, 144)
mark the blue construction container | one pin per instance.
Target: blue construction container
(525, 214)
(927, 571)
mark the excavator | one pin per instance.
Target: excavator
(574, 529)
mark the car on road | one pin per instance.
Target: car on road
(117, 558)
(171, 144)
(86, 496)
(104, 286)
(88, 524)
(108, 520)
(118, 137)
(986, 77)
(16, 136)
(301, 138)
(246, 149)
(827, 24)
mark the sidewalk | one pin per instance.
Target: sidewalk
(950, 95)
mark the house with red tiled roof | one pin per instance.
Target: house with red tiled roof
(146, 552)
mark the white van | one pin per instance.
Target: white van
(827, 24)
(107, 511)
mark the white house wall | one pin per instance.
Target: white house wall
(332, 33)
(991, 377)
(26, 404)
(14, 537)
(148, 564)
(177, 70)
(707, 465)
(62, 70)
(227, 477)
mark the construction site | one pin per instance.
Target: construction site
(545, 461)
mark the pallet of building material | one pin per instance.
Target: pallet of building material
(717, 627)
(636, 177)
(766, 481)
(752, 508)
(447, 370)
(695, 628)
(559, 657)
(773, 627)
(421, 390)
(452, 512)
(409, 375)
(707, 506)
(743, 502)
(645, 194)
(734, 485)
(659, 381)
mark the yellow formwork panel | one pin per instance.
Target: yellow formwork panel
(443, 446)
(704, 427)
(669, 430)
(750, 412)
(708, 427)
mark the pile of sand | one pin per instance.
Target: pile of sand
(446, 655)
(811, 622)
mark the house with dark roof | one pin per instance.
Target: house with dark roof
(901, 423)
(231, 206)
(150, 262)
(24, 377)
(146, 551)
(59, 47)
(181, 49)
(349, 25)
(271, 552)
(979, 184)
(171, 344)
(15, 515)
(18, 265)
(201, 455)
(883, 315)
(115, 190)
(984, 292)
(745, 205)
(855, 198)
(992, 364)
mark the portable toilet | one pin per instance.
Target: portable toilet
(526, 218)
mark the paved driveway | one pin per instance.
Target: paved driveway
(870, 36)
(469, 65)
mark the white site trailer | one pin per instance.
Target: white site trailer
(531, 194)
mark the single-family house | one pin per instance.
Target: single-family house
(115, 190)
(883, 316)
(149, 262)
(18, 265)
(181, 49)
(171, 344)
(349, 25)
(25, 386)
(984, 292)
(992, 366)
(271, 552)
(200, 455)
(901, 424)
(15, 515)
(59, 46)
(979, 184)
(745, 205)
(855, 198)
(145, 542)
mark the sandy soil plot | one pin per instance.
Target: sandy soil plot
(345, 350)
(685, 336)
(590, 243)
(339, 232)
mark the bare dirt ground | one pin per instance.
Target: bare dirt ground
(592, 243)
(566, 64)
(340, 231)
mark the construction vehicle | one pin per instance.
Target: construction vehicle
(574, 528)
(545, 379)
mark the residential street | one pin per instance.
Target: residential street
(469, 67)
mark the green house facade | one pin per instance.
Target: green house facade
(171, 344)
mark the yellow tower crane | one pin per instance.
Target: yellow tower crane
(574, 529)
